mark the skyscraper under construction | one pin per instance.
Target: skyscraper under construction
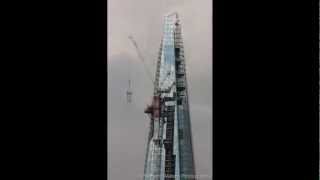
(169, 153)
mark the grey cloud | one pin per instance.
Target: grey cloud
(127, 124)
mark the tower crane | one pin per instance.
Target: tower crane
(143, 61)
(147, 71)
(141, 58)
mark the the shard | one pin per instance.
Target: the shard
(169, 152)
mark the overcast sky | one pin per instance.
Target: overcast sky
(127, 124)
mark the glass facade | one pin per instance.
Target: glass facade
(169, 150)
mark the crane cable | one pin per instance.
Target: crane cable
(129, 90)
(145, 66)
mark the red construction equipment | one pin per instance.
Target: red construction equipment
(154, 108)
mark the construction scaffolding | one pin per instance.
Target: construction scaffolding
(169, 152)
